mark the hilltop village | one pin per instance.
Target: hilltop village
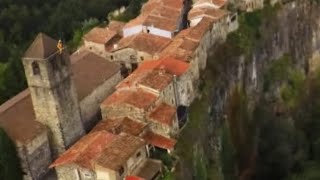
(101, 112)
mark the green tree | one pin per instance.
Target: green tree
(9, 162)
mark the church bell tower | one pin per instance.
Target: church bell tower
(54, 97)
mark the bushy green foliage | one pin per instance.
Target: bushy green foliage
(9, 163)
(62, 19)
(228, 155)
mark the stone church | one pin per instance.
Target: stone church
(60, 105)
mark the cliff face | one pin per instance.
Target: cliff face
(293, 29)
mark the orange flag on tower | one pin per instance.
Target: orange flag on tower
(60, 46)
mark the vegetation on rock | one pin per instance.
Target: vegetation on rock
(9, 162)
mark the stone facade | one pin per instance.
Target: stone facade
(90, 105)
(250, 5)
(54, 99)
(35, 157)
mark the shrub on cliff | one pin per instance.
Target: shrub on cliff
(9, 162)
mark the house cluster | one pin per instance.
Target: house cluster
(100, 112)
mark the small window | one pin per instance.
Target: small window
(141, 58)
(35, 68)
(148, 31)
(138, 155)
(121, 171)
(111, 57)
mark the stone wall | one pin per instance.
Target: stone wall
(135, 161)
(67, 172)
(90, 105)
(35, 157)
(121, 111)
(96, 48)
(167, 95)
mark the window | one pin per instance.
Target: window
(141, 58)
(148, 31)
(35, 68)
(121, 171)
(138, 154)
(111, 57)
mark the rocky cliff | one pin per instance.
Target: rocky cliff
(219, 131)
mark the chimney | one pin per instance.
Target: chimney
(162, 70)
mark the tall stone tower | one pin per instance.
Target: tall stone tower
(53, 94)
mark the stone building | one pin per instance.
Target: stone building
(163, 120)
(158, 17)
(100, 40)
(106, 156)
(62, 101)
(249, 5)
(135, 49)
(215, 4)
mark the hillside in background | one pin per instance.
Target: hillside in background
(21, 20)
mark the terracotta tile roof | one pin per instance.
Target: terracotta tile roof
(125, 125)
(157, 79)
(42, 47)
(167, 24)
(177, 4)
(204, 12)
(90, 72)
(162, 17)
(134, 178)
(182, 47)
(163, 114)
(136, 21)
(17, 118)
(217, 3)
(174, 66)
(116, 26)
(145, 42)
(150, 5)
(159, 140)
(119, 151)
(100, 35)
(170, 65)
(86, 150)
(166, 12)
(129, 97)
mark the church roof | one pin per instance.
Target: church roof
(42, 47)
(17, 116)
(90, 71)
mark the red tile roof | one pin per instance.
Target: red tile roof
(86, 150)
(134, 97)
(163, 15)
(204, 12)
(100, 35)
(218, 3)
(134, 178)
(119, 151)
(117, 126)
(157, 79)
(164, 114)
(170, 65)
(144, 42)
(159, 140)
